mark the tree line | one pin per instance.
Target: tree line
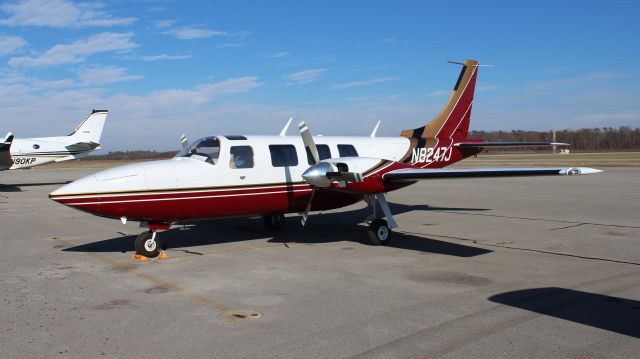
(623, 138)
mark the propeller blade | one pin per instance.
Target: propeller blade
(184, 141)
(306, 211)
(307, 139)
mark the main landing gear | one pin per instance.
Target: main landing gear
(379, 229)
(273, 221)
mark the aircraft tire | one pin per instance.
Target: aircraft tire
(379, 232)
(274, 221)
(146, 246)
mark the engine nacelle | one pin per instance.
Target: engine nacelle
(349, 174)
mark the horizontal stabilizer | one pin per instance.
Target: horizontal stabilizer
(411, 174)
(507, 144)
(82, 146)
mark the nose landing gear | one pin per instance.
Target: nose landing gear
(148, 244)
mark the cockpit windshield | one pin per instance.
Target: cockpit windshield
(205, 149)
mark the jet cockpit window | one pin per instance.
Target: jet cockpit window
(241, 157)
(206, 149)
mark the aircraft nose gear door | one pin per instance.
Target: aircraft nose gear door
(379, 229)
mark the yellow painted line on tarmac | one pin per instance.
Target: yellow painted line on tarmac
(133, 269)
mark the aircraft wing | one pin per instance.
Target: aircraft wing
(414, 174)
(507, 144)
(82, 146)
(5, 152)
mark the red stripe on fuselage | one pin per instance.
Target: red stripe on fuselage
(189, 204)
(172, 207)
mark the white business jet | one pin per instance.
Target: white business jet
(16, 153)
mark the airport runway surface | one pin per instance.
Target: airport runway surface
(490, 268)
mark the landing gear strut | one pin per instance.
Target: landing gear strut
(148, 244)
(273, 221)
(379, 229)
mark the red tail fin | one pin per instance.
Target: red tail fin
(453, 121)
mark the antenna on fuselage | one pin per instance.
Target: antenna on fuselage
(286, 127)
(375, 129)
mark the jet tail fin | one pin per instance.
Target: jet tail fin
(7, 140)
(5, 152)
(90, 129)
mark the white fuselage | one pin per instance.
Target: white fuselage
(192, 172)
(30, 152)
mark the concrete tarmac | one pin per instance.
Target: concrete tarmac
(485, 268)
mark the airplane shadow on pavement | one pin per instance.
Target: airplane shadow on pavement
(17, 187)
(320, 228)
(619, 315)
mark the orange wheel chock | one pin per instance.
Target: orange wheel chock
(139, 258)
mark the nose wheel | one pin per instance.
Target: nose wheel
(148, 244)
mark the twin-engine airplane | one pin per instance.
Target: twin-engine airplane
(231, 176)
(16, 153)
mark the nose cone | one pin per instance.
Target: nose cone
(141, 191)
(90, 188)
(317, 174)
(82, 185)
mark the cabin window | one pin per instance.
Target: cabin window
(241, 157)
(283, 155)
(36, 146)
(323, 151)
(347, 151)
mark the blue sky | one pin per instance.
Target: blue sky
(164, 68)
